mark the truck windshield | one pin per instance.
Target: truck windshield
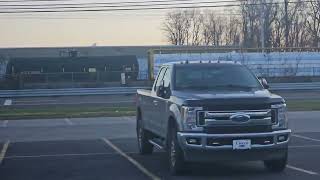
(215, 77)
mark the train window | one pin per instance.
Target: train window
(92, 70)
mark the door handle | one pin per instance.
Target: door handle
(155, 102)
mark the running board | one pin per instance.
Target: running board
(157, 143)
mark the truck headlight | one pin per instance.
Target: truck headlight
(189, 118)
(279, 116)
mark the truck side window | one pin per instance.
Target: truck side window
(167, 78)
(159, 78)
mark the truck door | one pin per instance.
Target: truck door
(155, 125)
(163, 109)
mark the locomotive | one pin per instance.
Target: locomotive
(108, 68)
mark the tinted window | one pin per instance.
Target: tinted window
(215, 77)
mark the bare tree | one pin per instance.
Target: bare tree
(175, 28)
(250, 23)
(213, 29)
(233, 31)
(195, 19)
(267, 23)
(313, 21)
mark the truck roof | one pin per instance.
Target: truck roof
(201, 62)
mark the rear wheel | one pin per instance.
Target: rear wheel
(175, 154)
(143, 136)
(277, 165)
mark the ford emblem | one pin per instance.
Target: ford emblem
(240, 117)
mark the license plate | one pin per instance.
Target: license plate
(242, 144)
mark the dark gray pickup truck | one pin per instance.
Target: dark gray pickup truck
(212, 111)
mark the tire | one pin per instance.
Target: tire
(277, 165)
(175, 154)
(143, 136)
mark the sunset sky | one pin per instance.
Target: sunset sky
(82, 28)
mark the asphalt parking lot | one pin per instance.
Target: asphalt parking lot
(106, 148)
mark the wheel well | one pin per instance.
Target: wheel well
(139, 113)
(172, 122)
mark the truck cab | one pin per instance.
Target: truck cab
(211, 111)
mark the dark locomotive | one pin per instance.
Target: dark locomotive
(60, 69)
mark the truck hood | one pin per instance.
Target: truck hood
(228, 99)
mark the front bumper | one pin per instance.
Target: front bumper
(203, 151)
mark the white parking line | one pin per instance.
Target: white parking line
(304, 146)
(305, 137)
(7, 102)
(127, 118)
(302, 170)
(68, 121)
(4, 123)
(4, 150)
(57, 155)
(134, 162)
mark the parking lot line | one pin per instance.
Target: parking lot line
(302, 170)
(305, 137)
(304, 146)
(7, 102)
(5, 123)
(57, 155)
(134, 162)
(68, 121)
(3, 151)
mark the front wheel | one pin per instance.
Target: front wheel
(175, 154)
(277, 165)
(143, 136)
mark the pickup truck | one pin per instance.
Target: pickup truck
(211, 111)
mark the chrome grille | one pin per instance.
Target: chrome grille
(257, 117)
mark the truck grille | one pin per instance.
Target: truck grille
(221, 122)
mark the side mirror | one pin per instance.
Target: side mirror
(264, 83)
(161, 89)
(163, 92)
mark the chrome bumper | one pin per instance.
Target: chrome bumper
(208, 153)
(182, 138)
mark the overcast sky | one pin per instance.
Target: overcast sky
(82, 28)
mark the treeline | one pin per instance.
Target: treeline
(253, 24)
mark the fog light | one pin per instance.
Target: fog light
(282, 138)
(195, 141)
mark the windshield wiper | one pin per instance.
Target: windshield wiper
(235, 86)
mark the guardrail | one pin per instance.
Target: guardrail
(68, 92)
(295, 86)
(126, 90)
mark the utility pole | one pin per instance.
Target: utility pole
(262, 19)
(286, 23)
